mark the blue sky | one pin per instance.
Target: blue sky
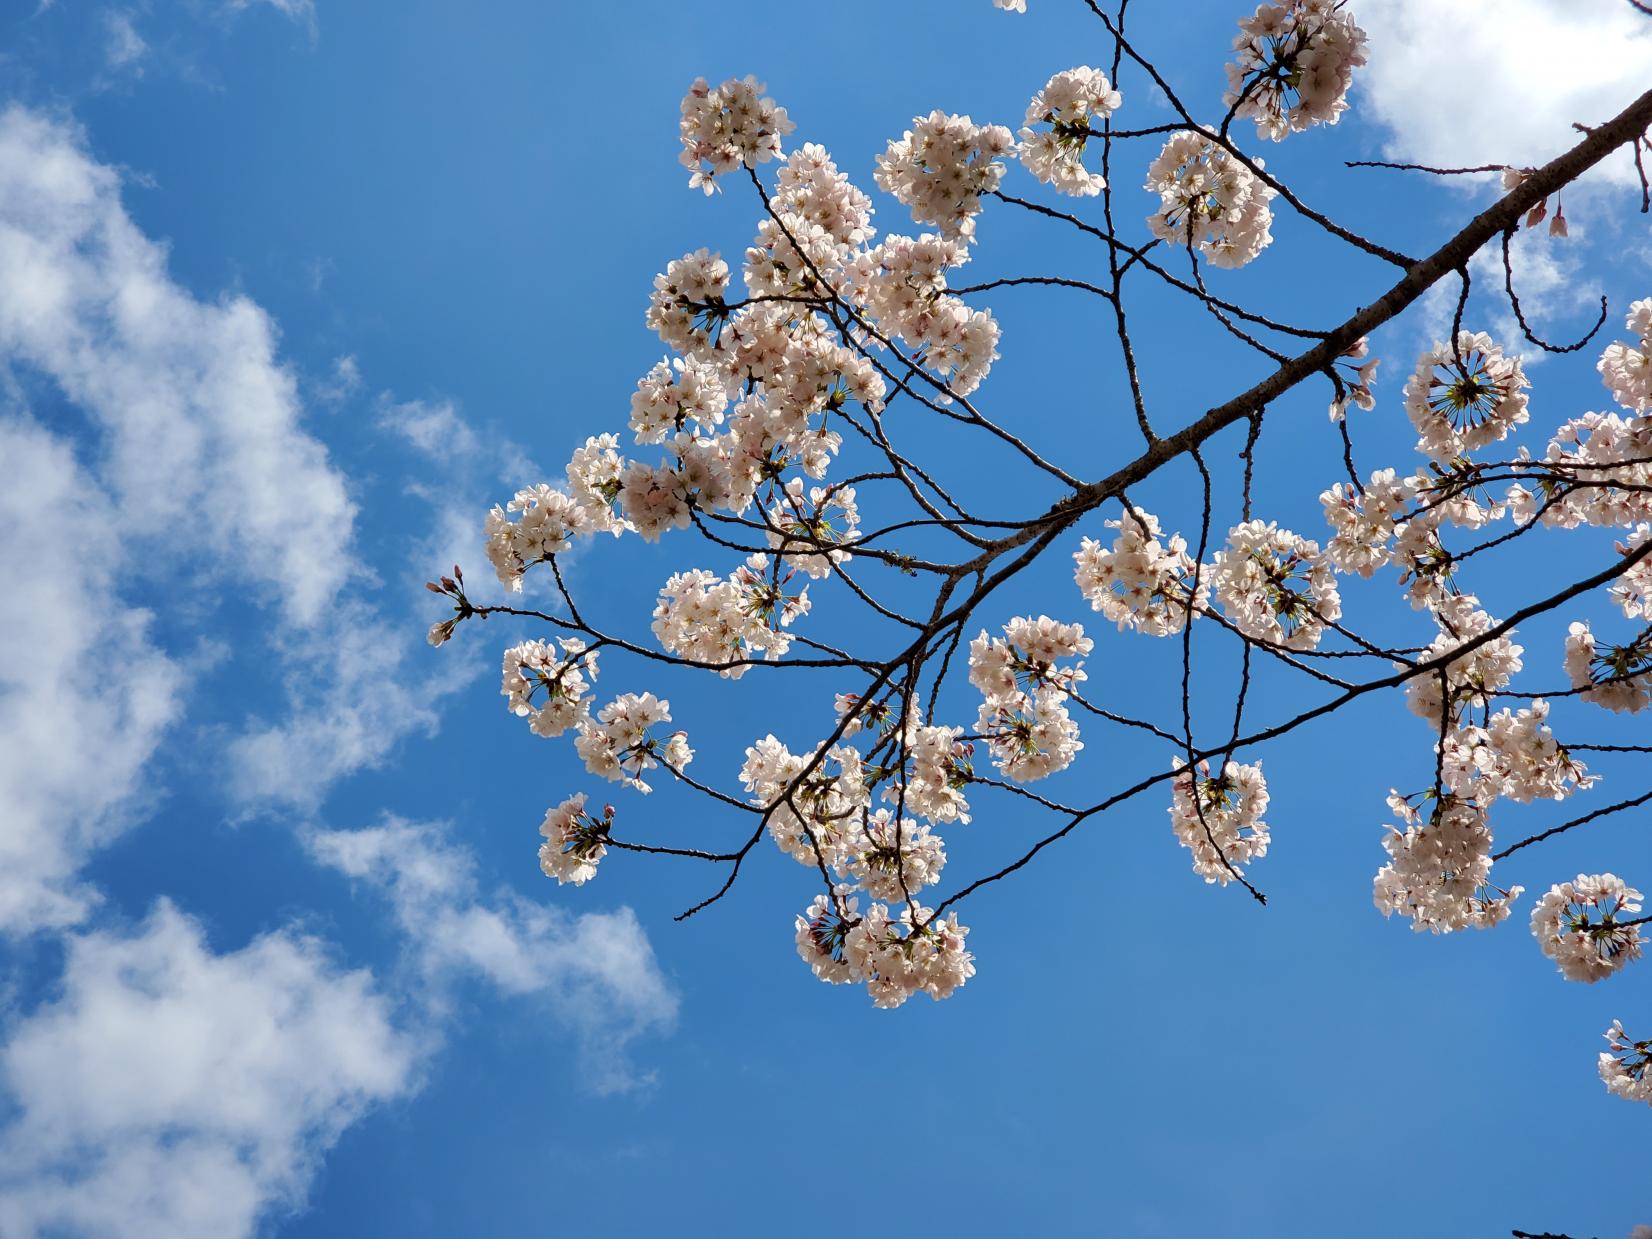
(294, 292)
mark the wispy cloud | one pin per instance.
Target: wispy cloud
(84, 696)
(596, 970)
(175, 1093)
(1461, 82)
(201, 423)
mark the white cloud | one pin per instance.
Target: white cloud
(353, 698)
(299, 10)
(1462, 82)
(202, 442)
(435, 428)
(123, 46)
(597, 969)
(172, 1092)
(343, 382)
(84, 696)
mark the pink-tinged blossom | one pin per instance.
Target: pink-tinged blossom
(1463, 398)
(823, 803)
(1470, 678)
(618, 745)
(549, 521)
(574, 841)
(902, 285)
(1626, 1069)
(674, 394)
(810, 528)
(1626, 369)
(1058, 125)
(914, 953)
(940, 168)
(556, 678)
(1217, 816)
(1514, 756)
(594, 479)
(1210, 200)
(893, 859)
(1439, 871)
(686, 308)
(716, 620)
(1275, 586)
(1579, 925)
(1140, 582)
(1294, 64)
(1617, 677)
(729, 127)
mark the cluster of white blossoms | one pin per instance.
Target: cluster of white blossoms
(1626, 369)
(1470, 678)
(893, 858)
(1600, 474)
(575, 841)
(1295, 63)
(1514, 756)
(1275, 586)
(689, 302)
(1013, 6)
(1618, 677)
(717, 620)
(1464, 396)
(1626, 1069)
(902, 284)
(1218, 818)
(1439, 873)
(1364, 521)
(822, 517)
(1069, 103)
(940, 168)
(941, 769)
(675, 393)
(733, 126)
(536, 667)
(1633, 590)
(894, 957)
(618, 746)
(1579, 925)
(1024, 717)
(1140, 582)
(1208, 198)
(549, 520)
(812, 802)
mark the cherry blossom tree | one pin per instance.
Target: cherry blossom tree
(781, 444)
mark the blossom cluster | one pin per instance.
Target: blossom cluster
(1439, 871)
(1209, 200)
(1069, 104)
(1140, 582)
(1464, 395)
(723, 621)
(1579, 926)
(1294, 64)
(1275, 586)
(1514, 756)
(1626, 1069)
(575, 841)
(1218, 818)
(940, 168)
(895, 957)
(1023, 715)
(1626, 369)
(728, 127)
